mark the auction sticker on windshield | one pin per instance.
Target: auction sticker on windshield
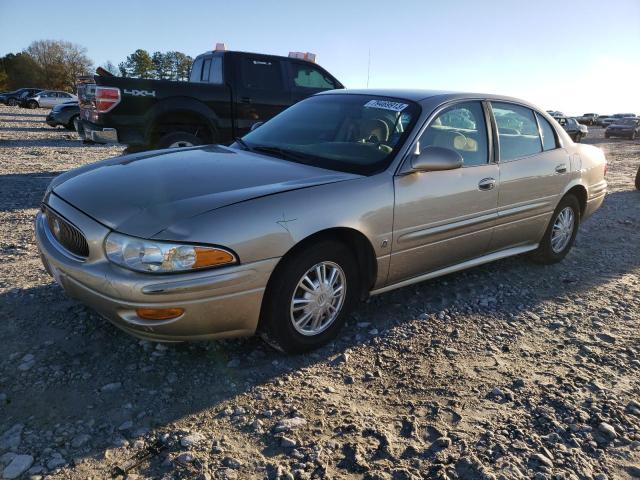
(386, 105)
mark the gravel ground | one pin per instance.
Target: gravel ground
(507, 371)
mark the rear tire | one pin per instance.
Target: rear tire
(12, 102)
(290, 298)
(179, 140)
(561, 232)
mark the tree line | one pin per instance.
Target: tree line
(51, 64)
(55, 65)
(158, 66)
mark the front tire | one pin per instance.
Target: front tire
(32, 104)
(561, 232)
(309, 297)
(12, 102)
(179, 140)
(578, 137)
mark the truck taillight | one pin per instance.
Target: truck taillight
(106, 98)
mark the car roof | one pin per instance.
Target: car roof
(418, 95)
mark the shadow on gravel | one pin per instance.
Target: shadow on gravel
(22, 191)
(12, 114)
(19, 120)
(27, 129)
(48, 142)
(86, 371)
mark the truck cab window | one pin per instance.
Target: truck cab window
(205, 70)
(261, 74)
(306, 76)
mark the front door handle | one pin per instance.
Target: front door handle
(246, 99)
(562, 168)
(487, 184)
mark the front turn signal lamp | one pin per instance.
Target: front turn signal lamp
(163, 257)
(159, 313)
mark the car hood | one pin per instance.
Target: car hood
(143, 194)
(622, 125)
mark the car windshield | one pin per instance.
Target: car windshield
(628, 121)
(351, 133)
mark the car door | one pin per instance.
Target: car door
(534, 170)
(261, 92)
(445, 217)
(45, 99)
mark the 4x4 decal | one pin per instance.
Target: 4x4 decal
(140, 93)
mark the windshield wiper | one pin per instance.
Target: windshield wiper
(244, 144)
(283, 153)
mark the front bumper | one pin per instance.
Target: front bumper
(98, 134)
(217, 303)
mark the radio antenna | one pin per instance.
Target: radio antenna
(369, 67)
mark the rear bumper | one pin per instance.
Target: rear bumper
(97, 134)
(619, 133)
(217, 303)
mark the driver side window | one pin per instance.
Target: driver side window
(461, 128)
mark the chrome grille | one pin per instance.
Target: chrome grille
(67, 235)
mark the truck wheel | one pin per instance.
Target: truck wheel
(32, 104)
(71, 125)
(578, 137)
(638, 179)
(179, 140)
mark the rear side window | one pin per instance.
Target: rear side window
(548, 136)
(196, 70)
(205, 69)
(517, 131)
(215, 75)
(308, 76)
(261, 74)
(461, 128)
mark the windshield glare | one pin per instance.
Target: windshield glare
(352, 133)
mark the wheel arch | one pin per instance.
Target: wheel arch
(580, 192)
(181, 111)
(354, 239)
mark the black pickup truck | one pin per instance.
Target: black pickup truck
(226, 94)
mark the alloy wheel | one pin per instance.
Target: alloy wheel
(318, 298)
(562, 229)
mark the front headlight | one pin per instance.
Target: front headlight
(163, 257)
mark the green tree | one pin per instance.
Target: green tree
(21, 70)
(139, 64)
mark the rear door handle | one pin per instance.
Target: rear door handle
(246, 99)
(487, 184)
(562, 168)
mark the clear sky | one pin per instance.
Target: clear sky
(571, 55)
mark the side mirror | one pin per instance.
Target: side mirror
(432, 159)
(255, 125)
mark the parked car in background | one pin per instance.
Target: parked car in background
(12, 98)
(575, 130)
(47, 99)
(64, 114)
(628, 127)
(555, 113)
(344, 195)
(588, 119)
(226, 94)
